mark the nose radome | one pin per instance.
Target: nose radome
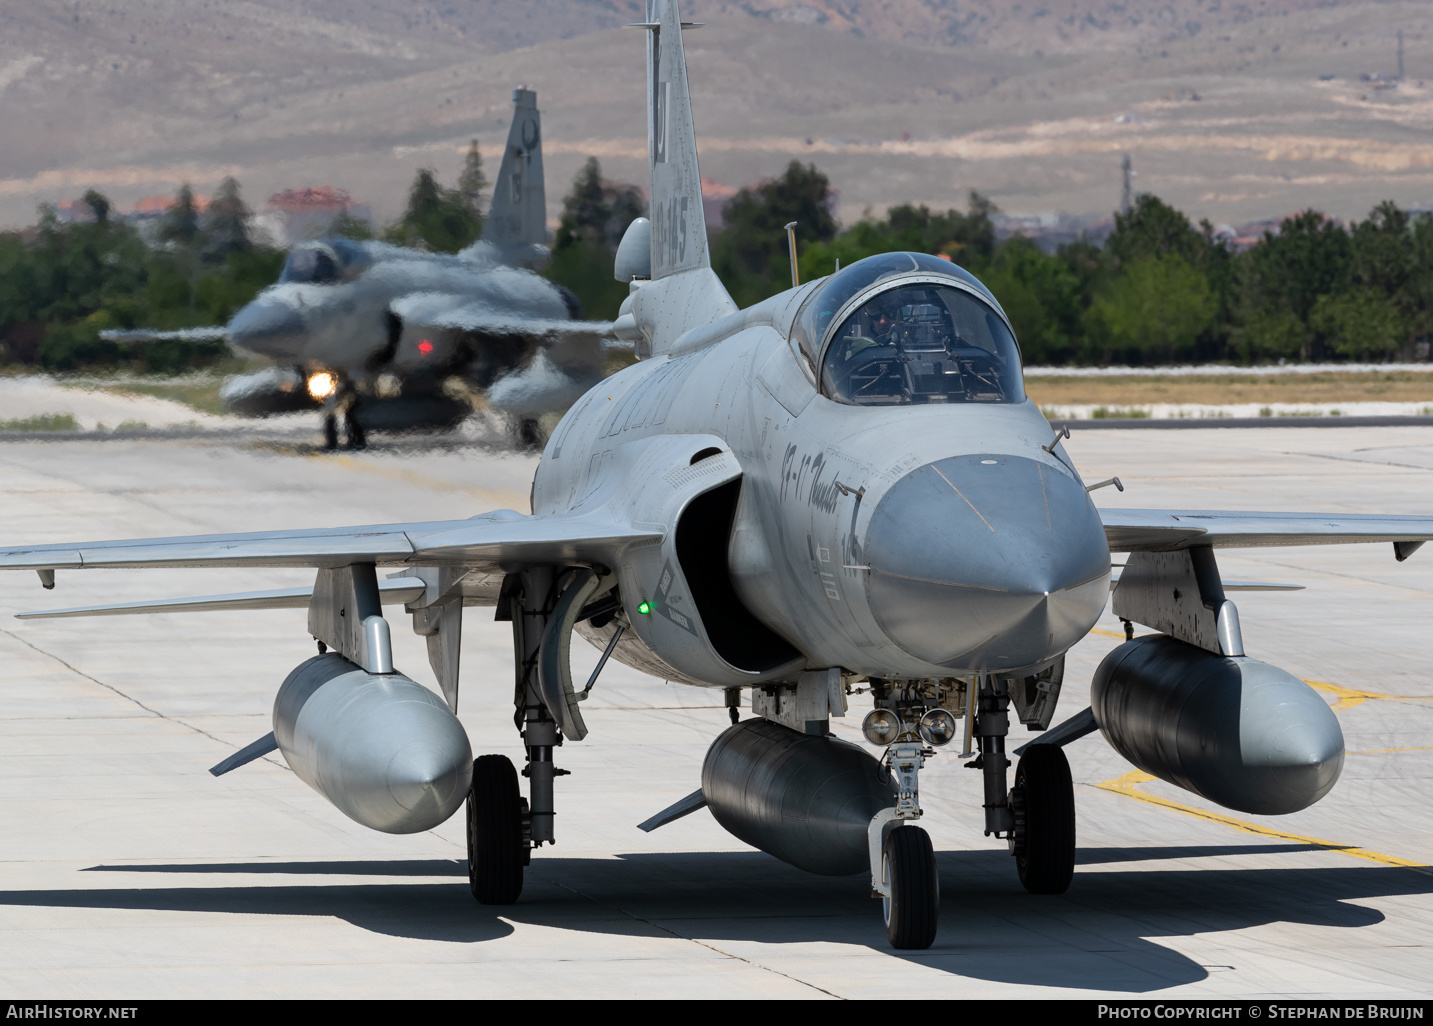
(986, 562)
(265, 325)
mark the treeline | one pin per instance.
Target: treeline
(62, 284)
(1160, 290)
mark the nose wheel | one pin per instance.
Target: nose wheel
(908, 870)
(497, 850)
(1043, 806)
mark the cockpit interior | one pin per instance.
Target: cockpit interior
(323, 263)
(919, 339)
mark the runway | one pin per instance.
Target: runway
(127, 870)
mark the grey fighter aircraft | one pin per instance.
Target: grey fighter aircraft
(371, 332)
(841, 490)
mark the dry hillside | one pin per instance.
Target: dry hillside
(1233, 111)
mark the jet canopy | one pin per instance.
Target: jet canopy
(324, 262)
(905, 328)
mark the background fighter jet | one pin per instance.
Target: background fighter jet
(840, 490)
(371, 331)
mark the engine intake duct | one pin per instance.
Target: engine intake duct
(1235, 730)
(805, 799)
(383, 749)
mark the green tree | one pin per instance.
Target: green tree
(967, 238)
(472, 183)
(749, 253)
(181, 221)
(1360, 324)
(1310, 256)
(1154, 312)
(225, 224)
(595, 214)
(99, 205)
(436, 217)
(1041, 295)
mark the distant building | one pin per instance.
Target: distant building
(298, 214)
(1050, 231)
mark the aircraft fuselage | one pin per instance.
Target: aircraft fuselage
(920, 541)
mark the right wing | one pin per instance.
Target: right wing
(497, 542)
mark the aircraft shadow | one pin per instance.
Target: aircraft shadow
(1104, 934)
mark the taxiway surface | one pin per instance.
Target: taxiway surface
(126, 870)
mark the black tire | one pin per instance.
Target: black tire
(529, 434)
(495, 843)
(1046, 858)
(354, 429)
(913, 908)
(330, 431)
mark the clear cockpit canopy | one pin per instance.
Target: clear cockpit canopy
(323, 263)
(933, 335)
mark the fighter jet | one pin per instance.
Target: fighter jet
(371, 332)
(841, 490)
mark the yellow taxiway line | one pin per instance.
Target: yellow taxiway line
(1128, 784)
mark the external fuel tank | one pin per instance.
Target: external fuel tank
(1238, 731)
(382, 748)
(804, 798)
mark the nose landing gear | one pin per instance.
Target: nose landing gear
(903, 869)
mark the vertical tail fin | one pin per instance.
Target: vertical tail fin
(517, 220)
(679, 228)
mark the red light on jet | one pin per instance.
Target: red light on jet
(424, 346)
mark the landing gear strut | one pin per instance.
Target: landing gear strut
(903, 869)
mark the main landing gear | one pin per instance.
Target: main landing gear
(497, 849)
(1043, 805)
(352, 429)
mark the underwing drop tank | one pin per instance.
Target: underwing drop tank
(804, 798)
(383, 749)
(1235, 730)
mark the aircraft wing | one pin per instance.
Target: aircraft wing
(496, 541)
(438, 310)
(1159, 530)
(217, 334)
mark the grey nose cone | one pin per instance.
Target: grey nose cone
(268, 327)
(986, 562)
(423, 778)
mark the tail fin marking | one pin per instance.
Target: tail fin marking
(518, 217)
(679, 231)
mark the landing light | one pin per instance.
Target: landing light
(322, 384)
(881, 726)
(937, 727)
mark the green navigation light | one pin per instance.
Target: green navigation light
(645, 608)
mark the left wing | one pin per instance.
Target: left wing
(1161, 530)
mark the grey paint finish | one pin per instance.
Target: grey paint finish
(1236, 730)
(805, 799)
(385, 751)
(986, 561)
